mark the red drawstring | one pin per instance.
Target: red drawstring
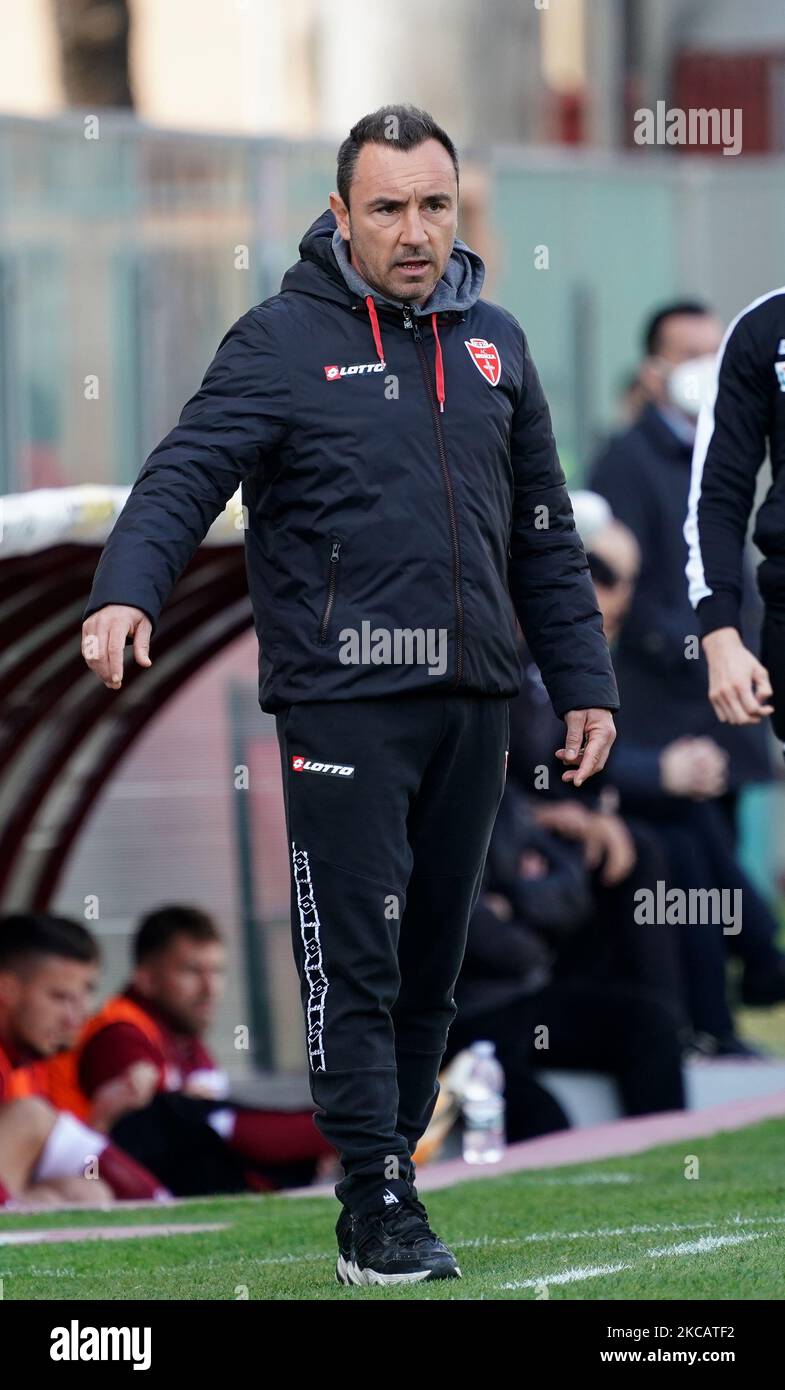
(439, 365)
(377, 338)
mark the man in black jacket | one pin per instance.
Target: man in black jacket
(742, 420)
(405, 502)
(644, 473)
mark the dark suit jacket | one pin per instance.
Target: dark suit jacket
(645, 475)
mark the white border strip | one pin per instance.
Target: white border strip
(696, 577)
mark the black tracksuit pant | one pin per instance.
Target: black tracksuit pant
(390, 804)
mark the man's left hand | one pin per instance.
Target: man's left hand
(590, 736)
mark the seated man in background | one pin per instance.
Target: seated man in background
(622, 854)
(145, 1072)
(673, 790)
(47, 967)
(536, 896)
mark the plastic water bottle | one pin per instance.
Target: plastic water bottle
(483, 1106)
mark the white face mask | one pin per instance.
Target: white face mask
(690, 384)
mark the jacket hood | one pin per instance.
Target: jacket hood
(324, 250)
(324, 270)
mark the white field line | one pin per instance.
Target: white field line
(566, 1276)
(69, 1235)
(580, 1179)
(479, 1243)
(658, 1228)
(703, 1246)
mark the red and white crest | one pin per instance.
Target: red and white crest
(485, 358)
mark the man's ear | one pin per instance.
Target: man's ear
(341, 212)
(652, 378)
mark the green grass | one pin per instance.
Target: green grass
(765, 1027)
(504, 1230)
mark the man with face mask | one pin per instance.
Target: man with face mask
(645, 475)
(699, 764)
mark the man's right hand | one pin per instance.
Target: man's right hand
(739, 686)
(132, 1090)
(103, 641)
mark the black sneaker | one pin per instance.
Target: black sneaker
(397, 1246)
(719, 1045)
(344, 1269)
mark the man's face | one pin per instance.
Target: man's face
(617, 548)
(683, 337)
(47, 1001)
(186, 980)
(402, 218)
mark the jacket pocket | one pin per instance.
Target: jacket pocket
(332, 586)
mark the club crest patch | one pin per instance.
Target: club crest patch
(486, 359)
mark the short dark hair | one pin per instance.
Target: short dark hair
(652, 332)
(402, 126)
(26, 936)
(158, 929)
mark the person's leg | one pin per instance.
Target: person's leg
(44, 1150)
(351, 865)
(642, 954)
(702, 945)
(25, 1126)
(88, 1192)
(272, 1136)
(772, 651)
(72, 1149)
(284, 1147)
(618, 1029)
(755, 942)
(450, 826)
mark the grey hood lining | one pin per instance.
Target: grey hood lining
(458, 289)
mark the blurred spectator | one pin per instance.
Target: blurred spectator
(48, 966)
(673, 787)
(644, 473)
(142, 1072)
(537, 895)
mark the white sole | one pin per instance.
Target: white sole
(372, 1276)
(345, 1271)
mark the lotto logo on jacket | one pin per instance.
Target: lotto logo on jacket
(301, 764)
(335, 373)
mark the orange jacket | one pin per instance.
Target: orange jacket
(15, 1082)
(57, 1078)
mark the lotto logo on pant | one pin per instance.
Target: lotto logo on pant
(301, 764)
